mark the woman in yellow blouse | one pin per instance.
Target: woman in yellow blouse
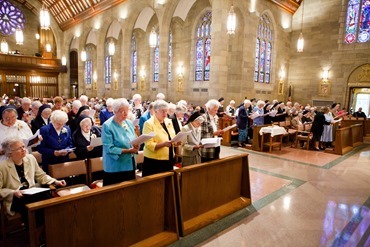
(158, 151)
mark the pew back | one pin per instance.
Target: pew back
(139, 212)
(210, 191)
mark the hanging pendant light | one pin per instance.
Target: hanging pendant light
(153, 38)
(231, 21)
(19, 36)
(111, 48)
(300, 42)
(44, 18)
(4, 46)
(83, 55)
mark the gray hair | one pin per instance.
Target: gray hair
(36, 103)
(76, 104)
(212, 103)
(58, 115)
(136, 96)
(84, 98)
(10, 109)
(260, 102)
(160, 104)
(8, 143)
(181, 108)
(109, 101)
(160, 96)
(26, 100)
(88, 119)
(119, 103)
(247, 102)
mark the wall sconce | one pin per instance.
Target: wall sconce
(48, 47)
(111, 48)
(325, 75)
(83, 55)
(4, 46)
(153, 38)
(282, 75)
(180, 71)
(64, 60)
(37, 36)
(115, 76)
(142, 74)
(95, 79)
(142, 79)
(180, 78)
(19, 36)
(115, 83)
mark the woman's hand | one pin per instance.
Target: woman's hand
(89, 148)
(60, 183)
(218, 132)
(197, 146)
(60, 153)
(18, 194)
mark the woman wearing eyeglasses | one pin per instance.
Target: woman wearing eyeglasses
(19, 172)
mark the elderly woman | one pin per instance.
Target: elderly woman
(11, 126)
(106, 113)
(191, 146)
(118, 153)
(137, 107)
(21, 171)
(42, 118)
(210, 129)
(82, 138)
(178, 117)
(318, 127)
(158, 151)
(56, 140)
(260, 114)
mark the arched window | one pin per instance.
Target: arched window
(170, 57)
(133, 60)
(358, 21)
(156, 62)
(108, 69)
(203, 48)
(262, 63)
(88, 71)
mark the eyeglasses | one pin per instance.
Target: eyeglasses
(21, 148)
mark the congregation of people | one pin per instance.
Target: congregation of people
(58, 127)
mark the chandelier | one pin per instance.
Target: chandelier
(19, 36)
(231, 21)
(4, 46)
(44, 18)
(300, 42)
(153, 38)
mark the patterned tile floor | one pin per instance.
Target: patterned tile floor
(300, 198)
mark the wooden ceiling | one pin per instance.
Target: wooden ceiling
(68, 13)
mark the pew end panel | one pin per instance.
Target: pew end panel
(210, 191)
(138, 212)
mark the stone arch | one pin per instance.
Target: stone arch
(358, 83)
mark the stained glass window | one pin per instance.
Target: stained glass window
(133, 60)
(10, 18)
(170, 57)
(108, 70)
(88, 71)
(156, 62)
(358, 21)
(262, 63)
(203, 48)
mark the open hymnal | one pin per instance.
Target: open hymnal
(95, 142)
(34, 190)
(211, 142)
(143, 138)
(32, 140)
(254, 115)
(228, 127)
(180, 136)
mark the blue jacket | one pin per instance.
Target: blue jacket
(115, 137)
(51, 142)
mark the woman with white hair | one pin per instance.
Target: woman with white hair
(21, 171)
(56, 140)
(230, 109)
(11, 126)
(259, 111)
(118, 154)
(137, 107)
(210, 129)
(106, 113)
(158, 151)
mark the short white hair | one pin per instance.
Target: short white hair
(181, 108)
(109, 101)
(260, 102)
(76, 104)
(171, 106)
(136, 96)
(160, 96)
(232, 101)
(26, 100)
(84, 98)
(119, 103)
(212, 103)
(160, 104)
(58, 115)
(182, 102)
(36, 103)
(247, 102)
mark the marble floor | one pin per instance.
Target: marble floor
(299, 198)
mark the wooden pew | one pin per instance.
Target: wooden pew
(224, 122)
(346, 138)
(209, 191)
(357, 134)
(138, 212)
(256, 143)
